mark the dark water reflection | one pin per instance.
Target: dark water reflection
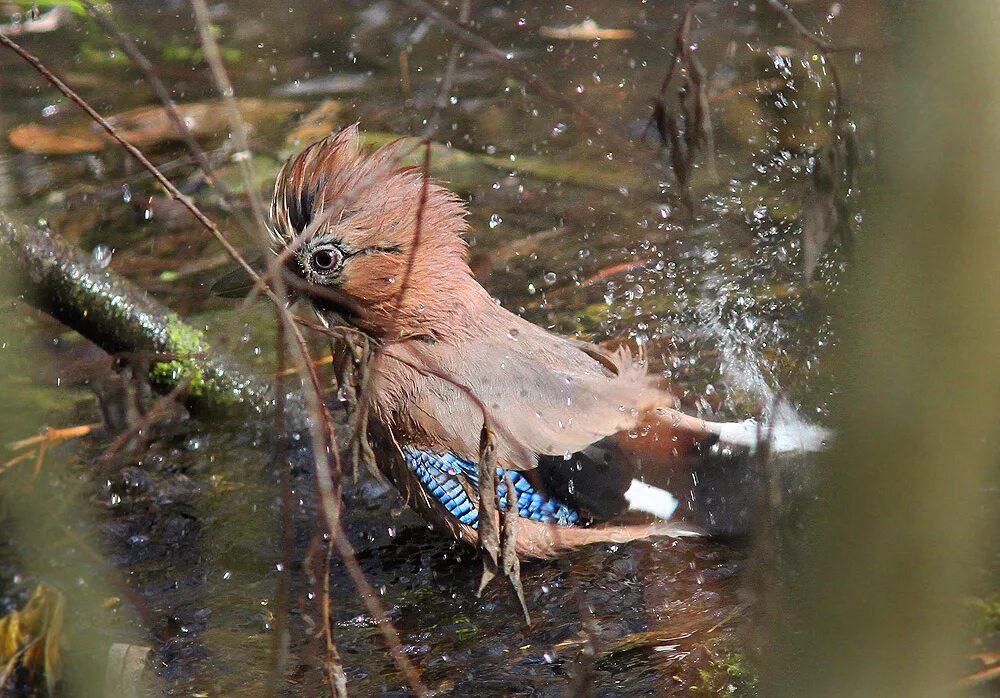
(717, 296)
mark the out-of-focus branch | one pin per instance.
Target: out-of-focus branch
(144, 66)
(894, 549)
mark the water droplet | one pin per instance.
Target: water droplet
(512, 333)
(101, 256)
(549, 277)
(126, 193)
(495, 220)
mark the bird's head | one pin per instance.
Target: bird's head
(369, 239)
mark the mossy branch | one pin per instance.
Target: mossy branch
(108, 310)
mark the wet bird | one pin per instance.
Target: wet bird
(593, 445)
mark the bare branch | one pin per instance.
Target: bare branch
(244, 156)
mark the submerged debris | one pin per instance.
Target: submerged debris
(30, 639)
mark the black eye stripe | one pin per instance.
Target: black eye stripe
(393, 249)
(375, 249)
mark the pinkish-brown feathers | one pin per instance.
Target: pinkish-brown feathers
(452, 354)
(370, 201)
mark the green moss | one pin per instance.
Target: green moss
(987, 615)
(101, 54)
(187, 344)
(180, 53)
(466, 629)
(727, 674)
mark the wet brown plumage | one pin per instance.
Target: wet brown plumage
(352, 220)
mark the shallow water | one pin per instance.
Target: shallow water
(575, 232)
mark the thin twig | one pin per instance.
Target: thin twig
(464, 16)
(821, 45)
(140, 157)
(425, 184)
(144, 66)
(335, 676)
(244, 156)
(330, 506)
(282, 635)
(157, 410)
(786, 12)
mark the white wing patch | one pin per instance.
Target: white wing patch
(651, 500)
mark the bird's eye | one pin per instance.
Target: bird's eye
(326, 258)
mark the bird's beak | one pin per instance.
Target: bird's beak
(237, 282)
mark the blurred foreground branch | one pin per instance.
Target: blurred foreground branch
(877, 605)
(58, 279)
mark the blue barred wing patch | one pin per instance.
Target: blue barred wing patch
(442, 475)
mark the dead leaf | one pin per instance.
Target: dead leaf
(326, 85)
(31, 637)
(42, 140)
(586, 30)
(464, 169)
(150, 126)
(317, 124)
(819, 218)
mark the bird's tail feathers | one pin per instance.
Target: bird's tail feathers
(786, 433)
(544, 541)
